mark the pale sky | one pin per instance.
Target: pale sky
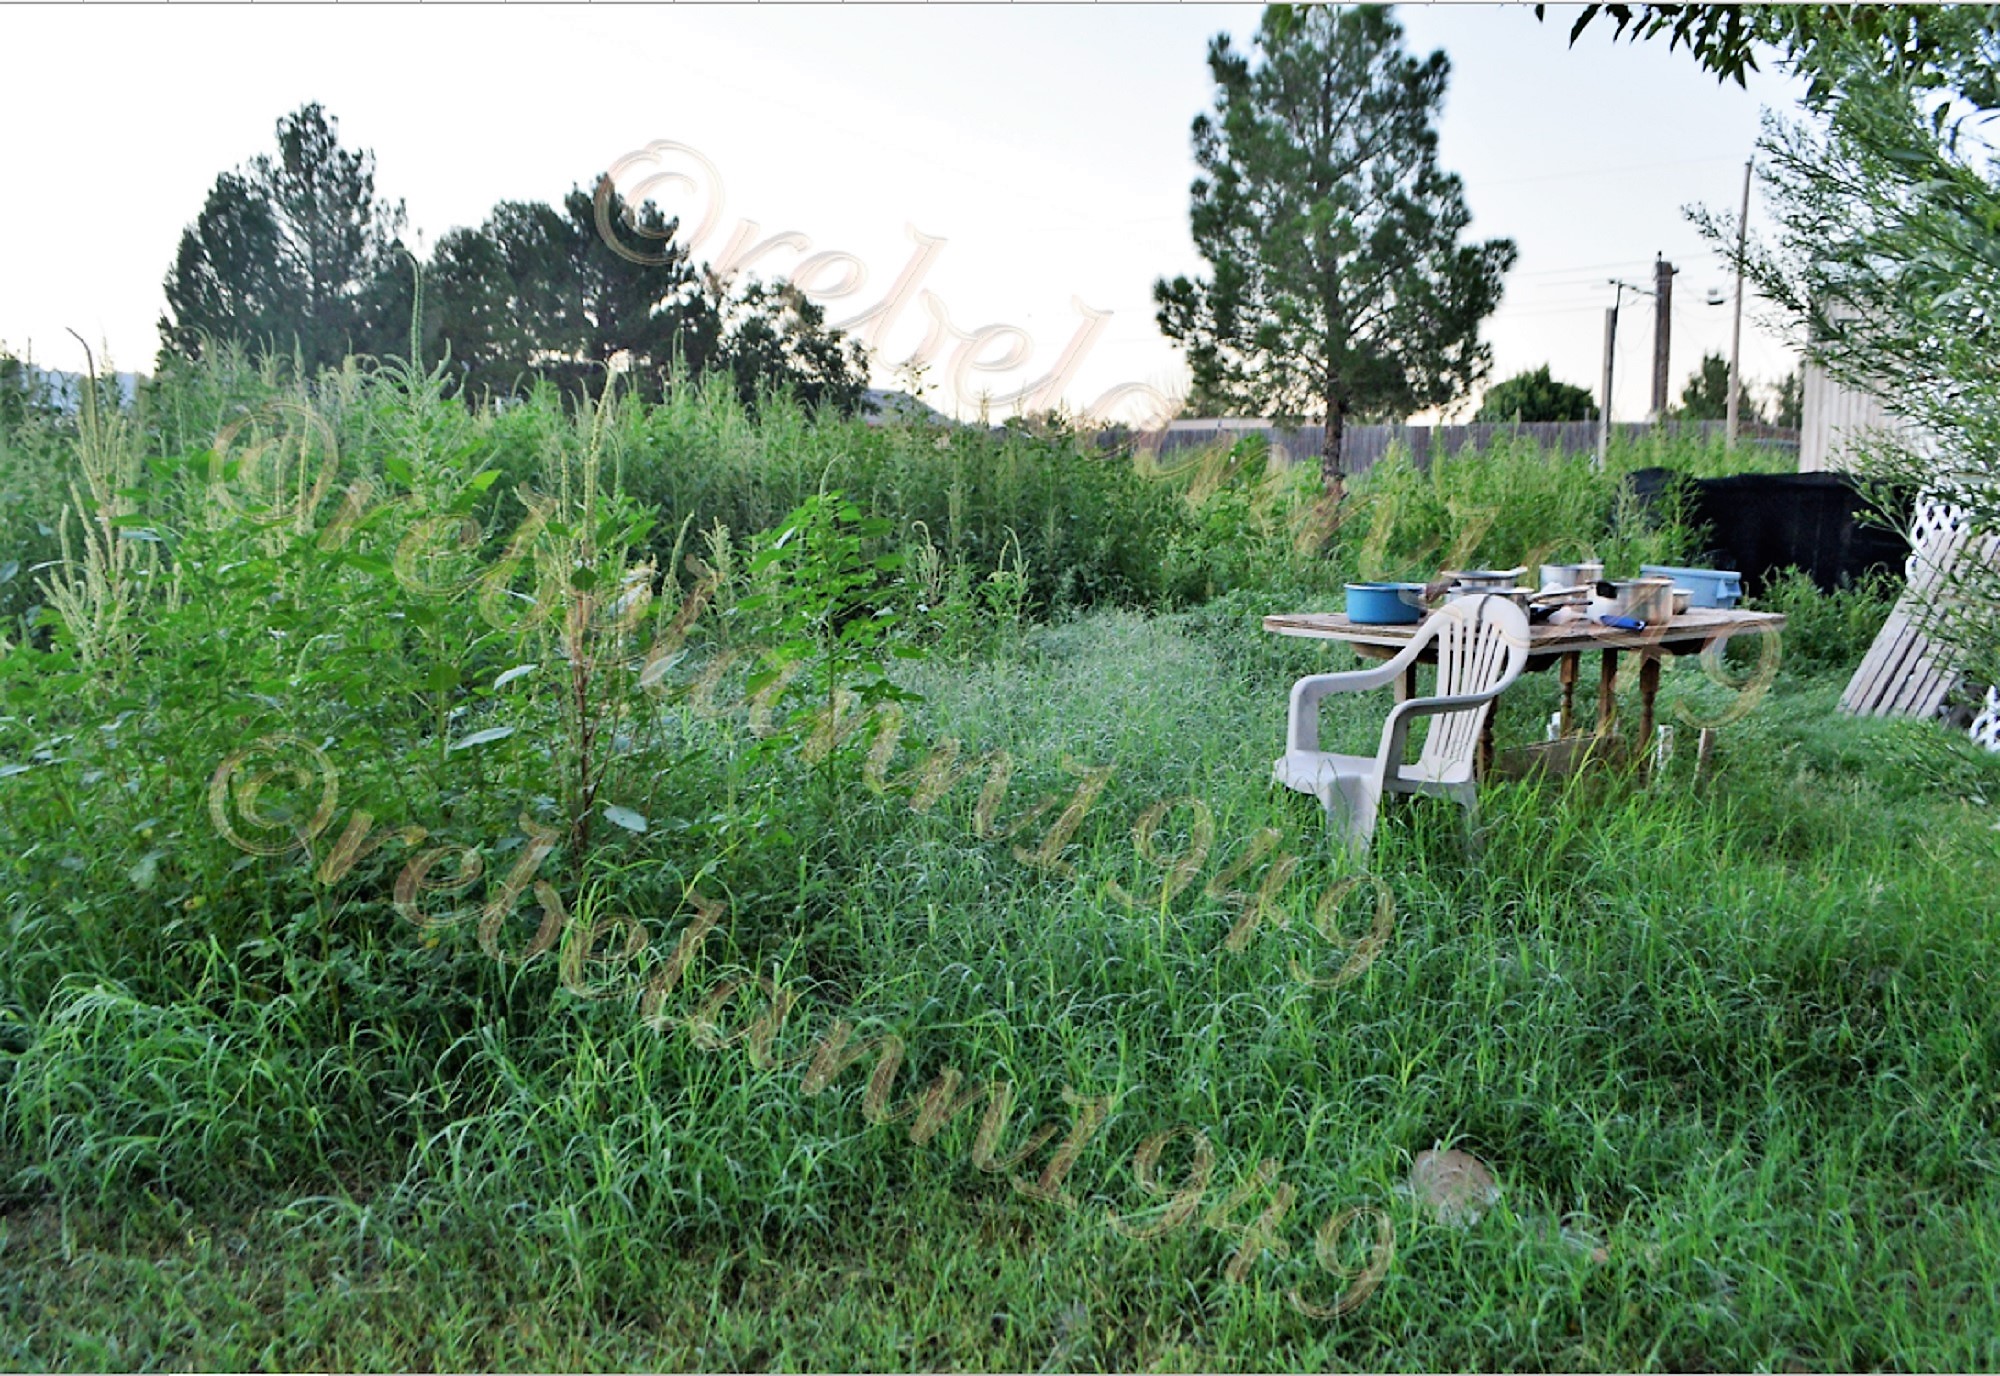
(1046, 147)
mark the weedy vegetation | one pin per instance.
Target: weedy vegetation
(639, 886)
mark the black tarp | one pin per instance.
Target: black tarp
(1759, 523)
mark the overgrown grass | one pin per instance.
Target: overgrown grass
(282, 1109)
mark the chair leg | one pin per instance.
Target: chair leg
(1468, 803)
(1351, 810)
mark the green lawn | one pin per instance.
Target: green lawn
(1743, 1036)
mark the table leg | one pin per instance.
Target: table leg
(1649, 687)
(1406, 684)
(1607, 693)
(1482, 760)
(1566, 671)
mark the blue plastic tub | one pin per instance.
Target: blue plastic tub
(1385, 604)
(1711, 587)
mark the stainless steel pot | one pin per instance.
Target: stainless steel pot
(1643, 599)
(1483, 580)
(1568, 575)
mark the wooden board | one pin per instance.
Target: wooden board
(1905, 673)
(1881, 668)
(1567, 756)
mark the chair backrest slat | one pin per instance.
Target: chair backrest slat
(1478, 638)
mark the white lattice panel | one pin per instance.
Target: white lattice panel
(1986, 726)
(1939, 529)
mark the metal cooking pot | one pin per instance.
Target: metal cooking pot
(1483, 580)
(1385, 604)
(1569, 575)
(1520, 597)
(1642, 599)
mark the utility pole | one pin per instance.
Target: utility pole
(1663, 326)
(1610, 347)
(1736, 331)
(1604, 407)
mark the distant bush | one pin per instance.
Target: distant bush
(1535, 396)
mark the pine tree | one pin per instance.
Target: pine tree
(286, 252)
(1338, 285)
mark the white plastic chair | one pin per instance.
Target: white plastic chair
(1482, 646)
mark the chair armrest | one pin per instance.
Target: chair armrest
(1396, 730)
(1302, 723)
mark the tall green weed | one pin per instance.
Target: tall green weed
(1512, 504)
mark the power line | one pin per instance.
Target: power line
(1601, 172)
(1537, 313)
(1587, 267)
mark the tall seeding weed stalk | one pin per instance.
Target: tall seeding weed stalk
(96, 588)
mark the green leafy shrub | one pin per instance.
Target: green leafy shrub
(1084, 524)
(1828, 631)
(1513, 503)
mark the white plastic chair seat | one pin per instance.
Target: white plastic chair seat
(1482, 646)
(1304, 770)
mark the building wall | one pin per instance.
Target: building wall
(1833, 416)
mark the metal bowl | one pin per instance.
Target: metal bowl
(1519, 596)
(1570, 575)
(1482, 580)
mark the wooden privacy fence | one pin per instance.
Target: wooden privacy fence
(1362, 445)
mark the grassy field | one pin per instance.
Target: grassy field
(1077, 1049)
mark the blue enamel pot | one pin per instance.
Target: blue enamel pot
(1385, 604)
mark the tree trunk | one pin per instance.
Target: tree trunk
(1331, 471)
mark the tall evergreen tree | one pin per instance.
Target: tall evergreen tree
(539, 291)
(1338, 284)
(536, 291)
(22, 394)
(297, 254)
(778, 338)
(1788, 399)
(285, 252)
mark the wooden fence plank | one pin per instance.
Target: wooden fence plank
(1363, 446)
